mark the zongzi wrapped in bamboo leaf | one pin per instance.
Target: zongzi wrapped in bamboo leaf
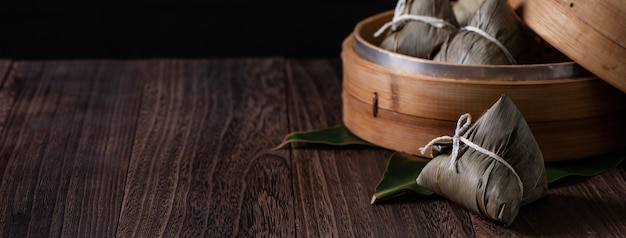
(493, 37)
(493, 169)
(419, 27)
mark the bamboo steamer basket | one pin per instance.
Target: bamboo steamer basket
(401, 103)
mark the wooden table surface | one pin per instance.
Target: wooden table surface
(173, 147)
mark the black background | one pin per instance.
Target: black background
(139, 29)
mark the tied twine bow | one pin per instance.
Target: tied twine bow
(399, 15)
(456, 145)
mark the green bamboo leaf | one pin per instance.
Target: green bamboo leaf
(402, 170)
(584, 167)
(337, 135)
(399, 177)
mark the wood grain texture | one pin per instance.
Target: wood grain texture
(4, 67)
(333, 187)
(65, 148)
(161, 148)
(199, 165)
(577, 207)
(7, 91)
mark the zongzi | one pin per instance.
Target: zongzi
(493, 37)
(419, 27)
(493, 169)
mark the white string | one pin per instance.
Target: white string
(493, 40)
(399, 16)
(457, 138)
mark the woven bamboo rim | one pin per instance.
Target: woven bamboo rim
(571, 117)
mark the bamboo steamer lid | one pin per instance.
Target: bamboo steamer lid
(591, 33)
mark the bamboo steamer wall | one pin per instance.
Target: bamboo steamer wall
(390, 103)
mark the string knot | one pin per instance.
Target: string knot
(400, 15)
(461, 126)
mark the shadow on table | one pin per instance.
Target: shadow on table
(567, 213)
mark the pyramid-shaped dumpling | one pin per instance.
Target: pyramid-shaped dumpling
(419, 27)
(494, 187)
(493, 37)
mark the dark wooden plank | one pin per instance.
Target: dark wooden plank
(623, 170)
(5, 64)
(4, 68)
(333, 187)
(7, 91)
(66, 146)
(576, 207)
(200, 165)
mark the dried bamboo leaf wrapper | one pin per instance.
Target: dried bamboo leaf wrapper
(419, 38)
(465, 9)
(497, 200)
(475, 49)
(503, 130)
(497, 20)
(478, 181)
